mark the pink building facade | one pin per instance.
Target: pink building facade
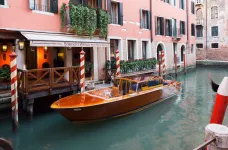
(138, 28)
(154, 25)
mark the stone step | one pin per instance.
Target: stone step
(5, 100)
(5, 95)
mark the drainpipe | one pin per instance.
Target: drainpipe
(187, 43)
(206, 29)
(151, 25)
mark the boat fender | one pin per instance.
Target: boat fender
(6, 145)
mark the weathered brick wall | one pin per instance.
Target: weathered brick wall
(200, 54)
(212, 54)
(217, 54)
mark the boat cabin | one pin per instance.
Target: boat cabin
(128, 85)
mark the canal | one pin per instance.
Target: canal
(175, 124)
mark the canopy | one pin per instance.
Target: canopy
(63, 40)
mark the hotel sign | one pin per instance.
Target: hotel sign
(68, 44)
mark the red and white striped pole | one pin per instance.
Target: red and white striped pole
(159, 62)
(184, 61)
(163, 65)
(82, 71)
(221, 102)
(14, 99)
(117, 63)
(175, 59)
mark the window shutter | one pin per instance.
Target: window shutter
(120, 13)
(184, 27)
(156, 25)
(54, 6)
(31, 4)
(85, 2)
(148, 20)
(181, 28)
(162, 26)
(99, 2)
(170, 27)
(141, 19)
(76, 1)
(109, 7)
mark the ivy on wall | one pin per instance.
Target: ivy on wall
(62, 15)
(85, 20)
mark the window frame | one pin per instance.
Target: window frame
(146, 48)
(197, 29)
(116, 13)
(199, 44)
(160, 25)
(193, 31)
(214, 12)
(216, 47)
(213, 32)
(182, 5)
(5, 4)
(182, 27)
(192, 7)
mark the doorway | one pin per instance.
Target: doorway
(31, 57)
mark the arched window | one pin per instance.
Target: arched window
(199, 14)
(214, 12)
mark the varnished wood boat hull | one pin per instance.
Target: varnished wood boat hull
(118, 108)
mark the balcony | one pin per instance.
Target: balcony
(84, 20)
(199, 22)
(199, 2)
(176, 35)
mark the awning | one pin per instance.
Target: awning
(63, 40)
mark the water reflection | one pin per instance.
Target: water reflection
(172, 125)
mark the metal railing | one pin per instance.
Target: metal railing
(199, 21)
(204, 145)
(199, 1)
(176, 33)
(43, 8)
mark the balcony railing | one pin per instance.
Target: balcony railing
(43, 8)
(176, 33)
(199, 22)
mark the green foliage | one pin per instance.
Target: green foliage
(88, 66)
(84, 19)
(5, 73)
(133, 65)
(103, 19)
(62, 15)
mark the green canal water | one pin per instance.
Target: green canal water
(176, 124)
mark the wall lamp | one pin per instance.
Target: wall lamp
(21, 44)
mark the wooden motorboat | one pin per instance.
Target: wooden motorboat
(127, 96)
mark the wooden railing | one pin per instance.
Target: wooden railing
(47, 79)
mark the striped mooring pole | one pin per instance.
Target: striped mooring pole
(159, 63)
(221, 102)
(185, 71)
(82, 71)
(117, 63)
(175, 60)
(14, 94)
(163, 65)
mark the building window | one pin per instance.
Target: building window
(159, 25)
(214, 31)
(2, 2)
(144, 49)
(43, 5)
(113, 47)
(192, 48)
(182, 27)
(182, 4)
(192, 29)
(131, 49)
(144, 19)
(117, 13)
(168, 24)
(214, 45)
(192, 7)
(199, 45)
(174, 2)
(199, 32)
(167, 1)
(214, 12)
